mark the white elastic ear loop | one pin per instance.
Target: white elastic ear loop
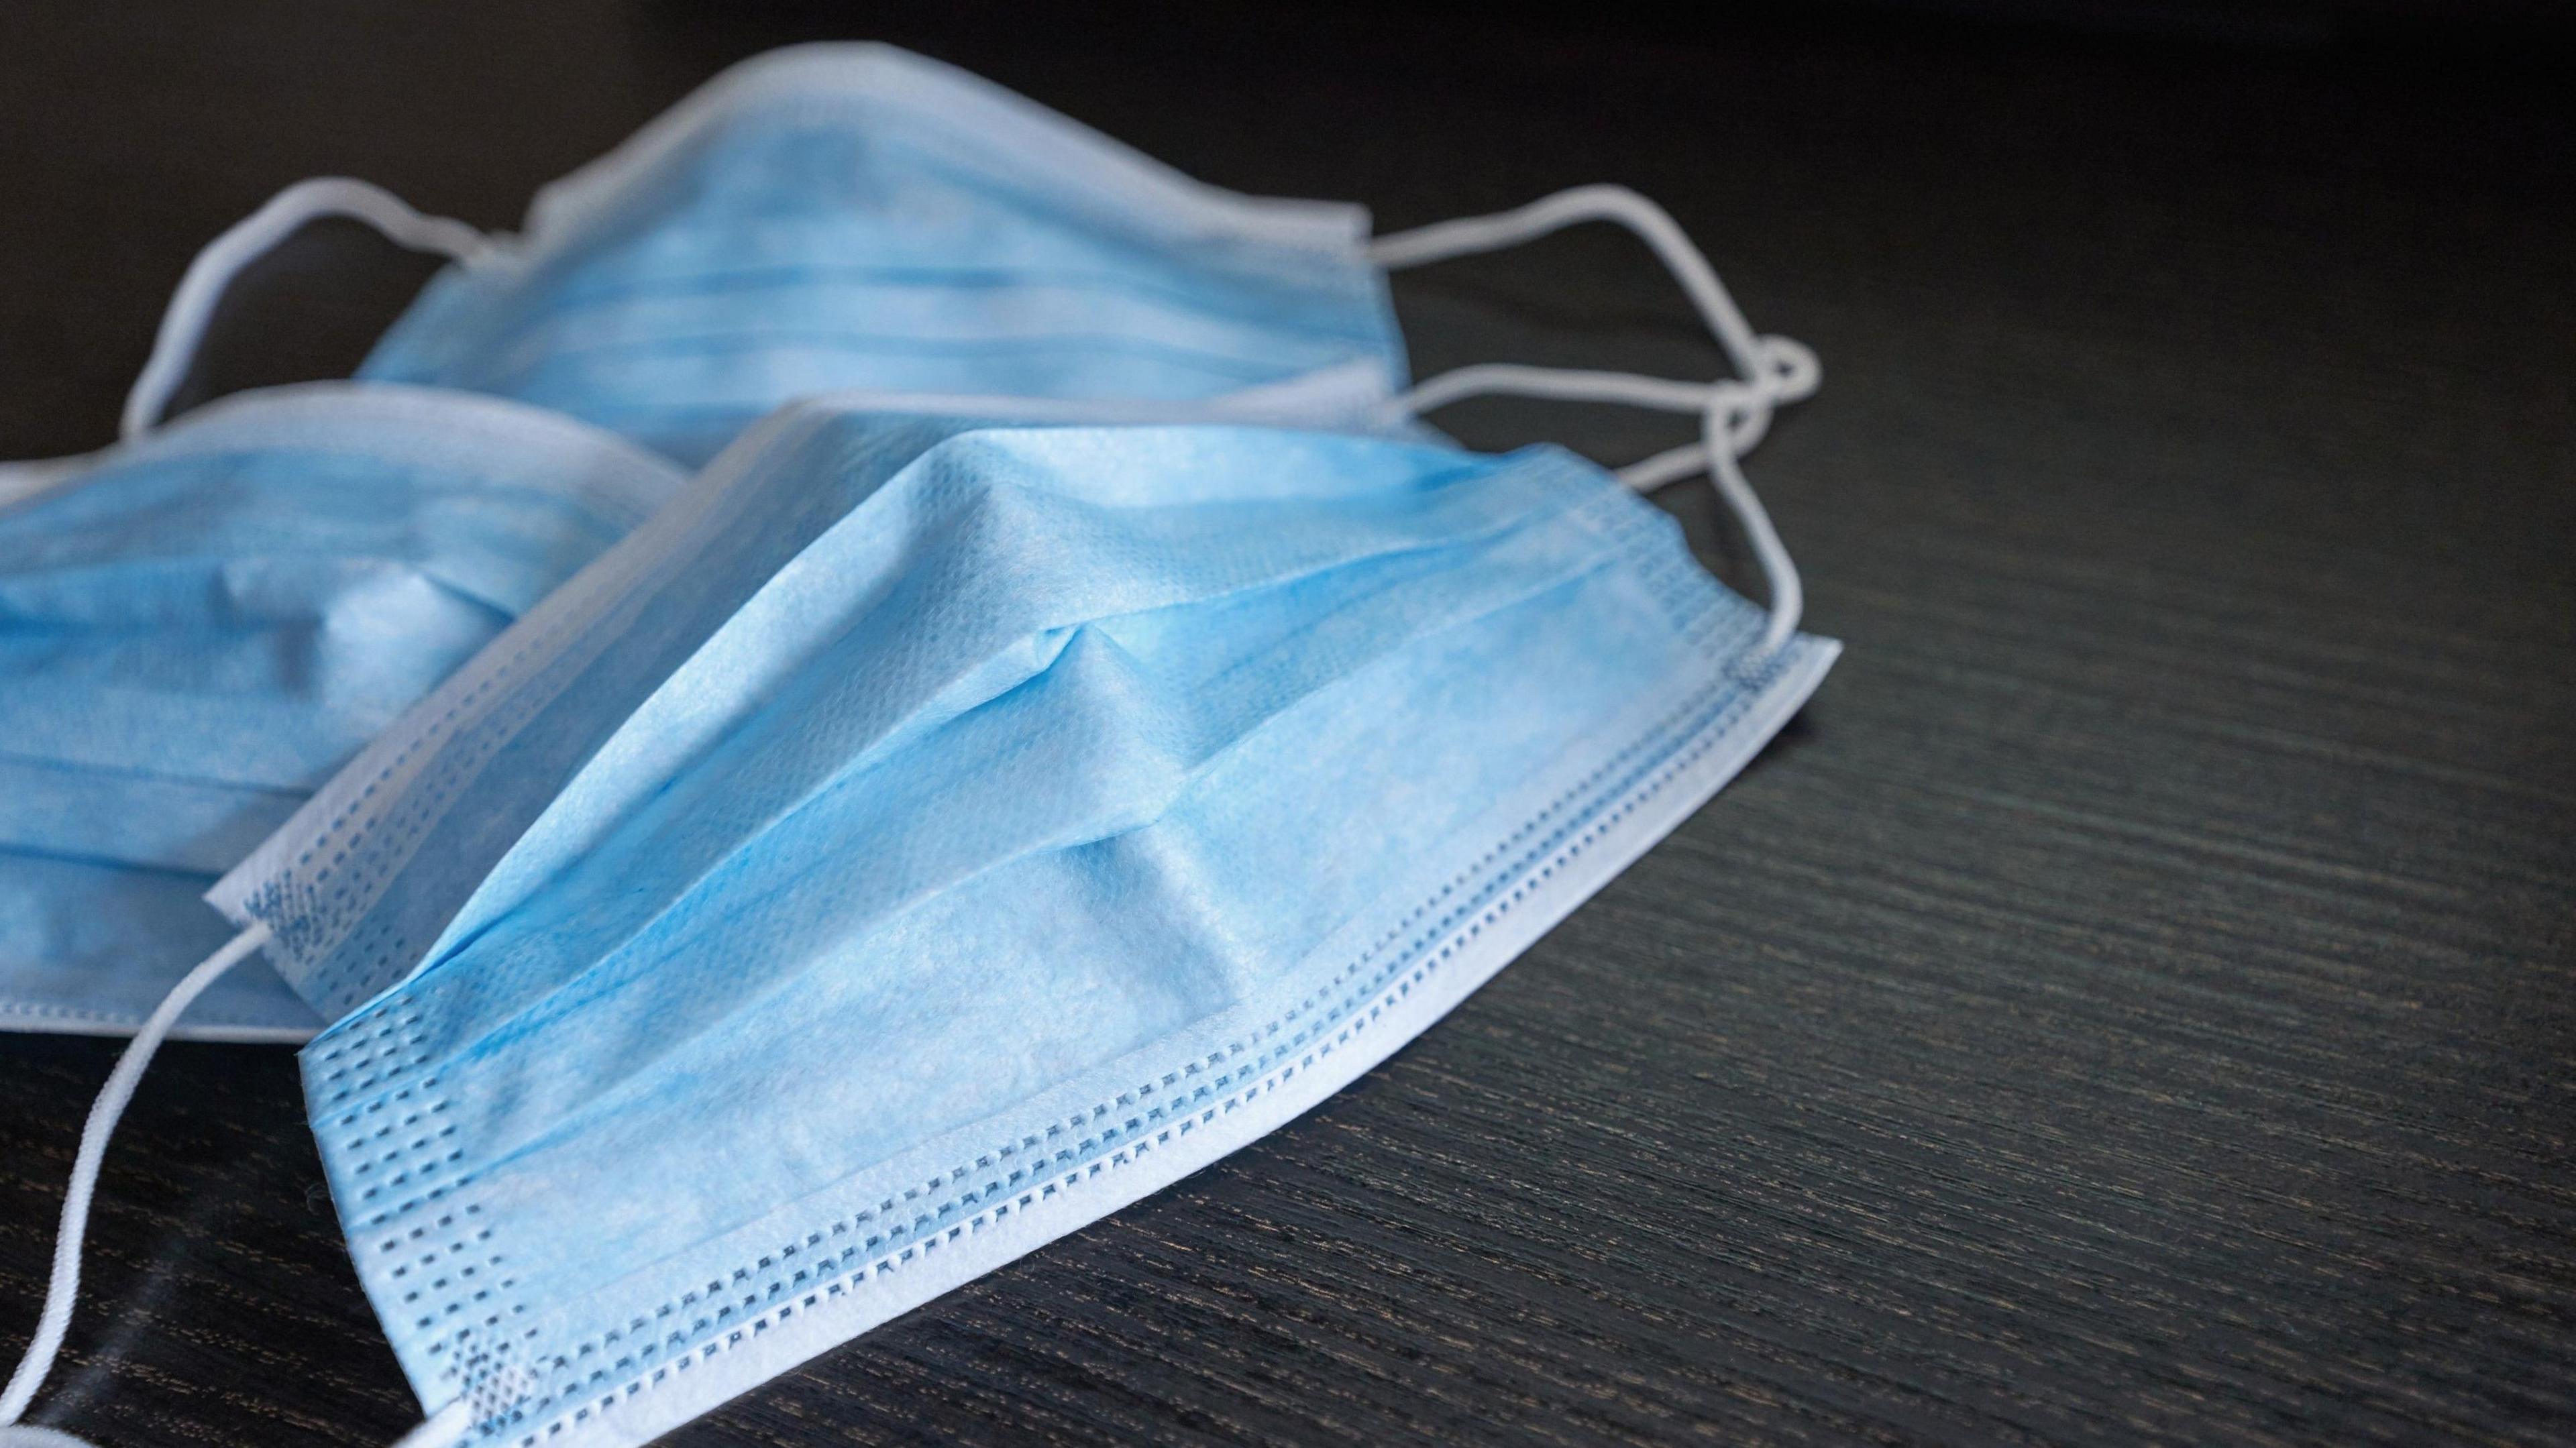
(192, 306)
(1716, 454)
(445, 1427)
(65, 1286)
(1735, 415)
(1616, 204)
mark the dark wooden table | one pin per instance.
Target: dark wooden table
(2134, 1004)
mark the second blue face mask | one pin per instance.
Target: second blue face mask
(198, 626)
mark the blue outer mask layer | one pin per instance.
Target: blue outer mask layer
(855, 217)
(198, 627)
(924, 837)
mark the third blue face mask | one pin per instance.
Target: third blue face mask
(838, 219)
(854, 217)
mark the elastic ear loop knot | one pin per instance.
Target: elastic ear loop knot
(1734, 414)
(192, 306)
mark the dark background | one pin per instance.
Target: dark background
(2133, 1004)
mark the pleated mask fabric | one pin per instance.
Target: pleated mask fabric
(928, 834)
(197, 627)
(840, 218)
(853, 216)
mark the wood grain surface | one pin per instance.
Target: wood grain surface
(2134, 1004)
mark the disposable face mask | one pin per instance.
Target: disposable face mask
(199, 626)
(841, 217)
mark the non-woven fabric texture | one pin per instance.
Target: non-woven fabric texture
(199, 626)
(928, 834)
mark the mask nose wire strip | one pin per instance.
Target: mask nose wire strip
(192, 306)
(65, 1285)
(1734, 415)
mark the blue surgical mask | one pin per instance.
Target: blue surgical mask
(838, 217)
(924, 836)
(199, 626)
